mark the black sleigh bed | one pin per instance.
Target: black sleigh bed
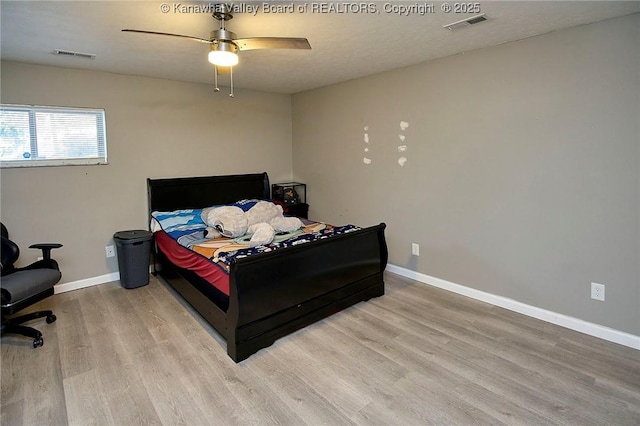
(270, 294)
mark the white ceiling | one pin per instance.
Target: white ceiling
(344, 45)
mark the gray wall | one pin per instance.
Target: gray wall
(522, 176)
(155, 128)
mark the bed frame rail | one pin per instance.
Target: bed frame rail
(309, 282)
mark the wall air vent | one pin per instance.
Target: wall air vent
(76, 54)
(458, 25)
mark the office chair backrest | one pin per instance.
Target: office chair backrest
(9, 252)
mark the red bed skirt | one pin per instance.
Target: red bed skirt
(187, 259)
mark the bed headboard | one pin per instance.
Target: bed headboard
(205, 191)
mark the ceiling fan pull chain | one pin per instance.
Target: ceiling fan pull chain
(215, 76)
(231, 76)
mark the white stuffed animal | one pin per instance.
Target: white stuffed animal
(263, 211)
(261, 222)
(261, 233)
(228, 221)
(265, 219)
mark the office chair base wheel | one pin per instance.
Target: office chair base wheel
(51, 318)
(38, 342)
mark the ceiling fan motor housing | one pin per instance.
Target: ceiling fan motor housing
(222, 35)
(223, 48)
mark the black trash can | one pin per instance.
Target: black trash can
(134, 251)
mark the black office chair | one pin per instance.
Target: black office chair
(22, 287)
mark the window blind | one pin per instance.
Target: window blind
(51, 136)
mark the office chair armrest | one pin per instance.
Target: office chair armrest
(46, 248)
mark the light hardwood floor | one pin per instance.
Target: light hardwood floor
(417, 355)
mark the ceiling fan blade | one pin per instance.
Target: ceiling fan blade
(254, 43)
(201, 40)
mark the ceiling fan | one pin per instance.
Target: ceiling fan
(225, 44)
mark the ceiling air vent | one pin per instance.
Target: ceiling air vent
(76, 54)
(458, 25)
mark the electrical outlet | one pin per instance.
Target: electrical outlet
(415, 249)
(110, 250)
(597, 291)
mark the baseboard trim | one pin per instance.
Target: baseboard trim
(89, 282)
(596, 330)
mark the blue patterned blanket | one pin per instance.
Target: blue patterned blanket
(187, 228)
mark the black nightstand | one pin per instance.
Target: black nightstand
(298, 210)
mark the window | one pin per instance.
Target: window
(51, 136)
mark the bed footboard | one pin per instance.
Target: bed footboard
(274, 294)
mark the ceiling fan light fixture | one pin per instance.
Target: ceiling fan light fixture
(224, 54)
